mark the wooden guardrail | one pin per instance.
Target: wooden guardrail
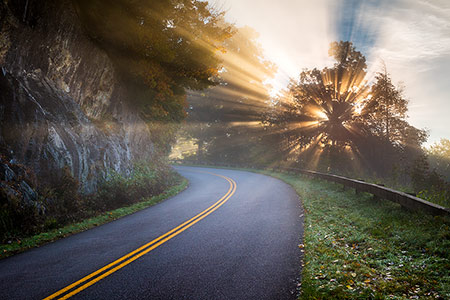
(404, 199)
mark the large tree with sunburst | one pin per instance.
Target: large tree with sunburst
(324, 107)
(334, 119)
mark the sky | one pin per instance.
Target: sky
(411, 37)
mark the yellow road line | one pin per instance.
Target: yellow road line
(132, 256)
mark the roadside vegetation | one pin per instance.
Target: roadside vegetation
(62, 210)
(356, 247)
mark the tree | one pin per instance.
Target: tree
(160, 47)
(439, 157)
(386, 110)
(323, 107)
(441, 148)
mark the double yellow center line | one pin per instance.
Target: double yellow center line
(118, 264)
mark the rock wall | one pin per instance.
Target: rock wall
(61, 103)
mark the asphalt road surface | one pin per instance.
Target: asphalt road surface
(229, 235)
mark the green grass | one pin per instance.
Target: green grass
(17, 246)
(359, 248)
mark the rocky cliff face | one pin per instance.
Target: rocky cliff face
(61, 103)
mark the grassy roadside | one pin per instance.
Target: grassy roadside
(359, 248)
(106, 217)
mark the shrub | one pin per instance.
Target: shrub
(146, 180)
(20, 212)
(62, 198)
(17, 217)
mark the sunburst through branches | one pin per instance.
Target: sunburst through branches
(325, 108)
(332, 98)
(336, 118)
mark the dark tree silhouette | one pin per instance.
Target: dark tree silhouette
(324, 106)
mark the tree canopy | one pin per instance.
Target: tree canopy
(161, 46)
(324, 106)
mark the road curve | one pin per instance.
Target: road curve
(240, 242)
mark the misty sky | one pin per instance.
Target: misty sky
(412, 37)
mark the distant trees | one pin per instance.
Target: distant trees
(439, 157)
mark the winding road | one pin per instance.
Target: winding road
(229, 235)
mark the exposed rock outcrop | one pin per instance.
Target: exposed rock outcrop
(61, 103)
